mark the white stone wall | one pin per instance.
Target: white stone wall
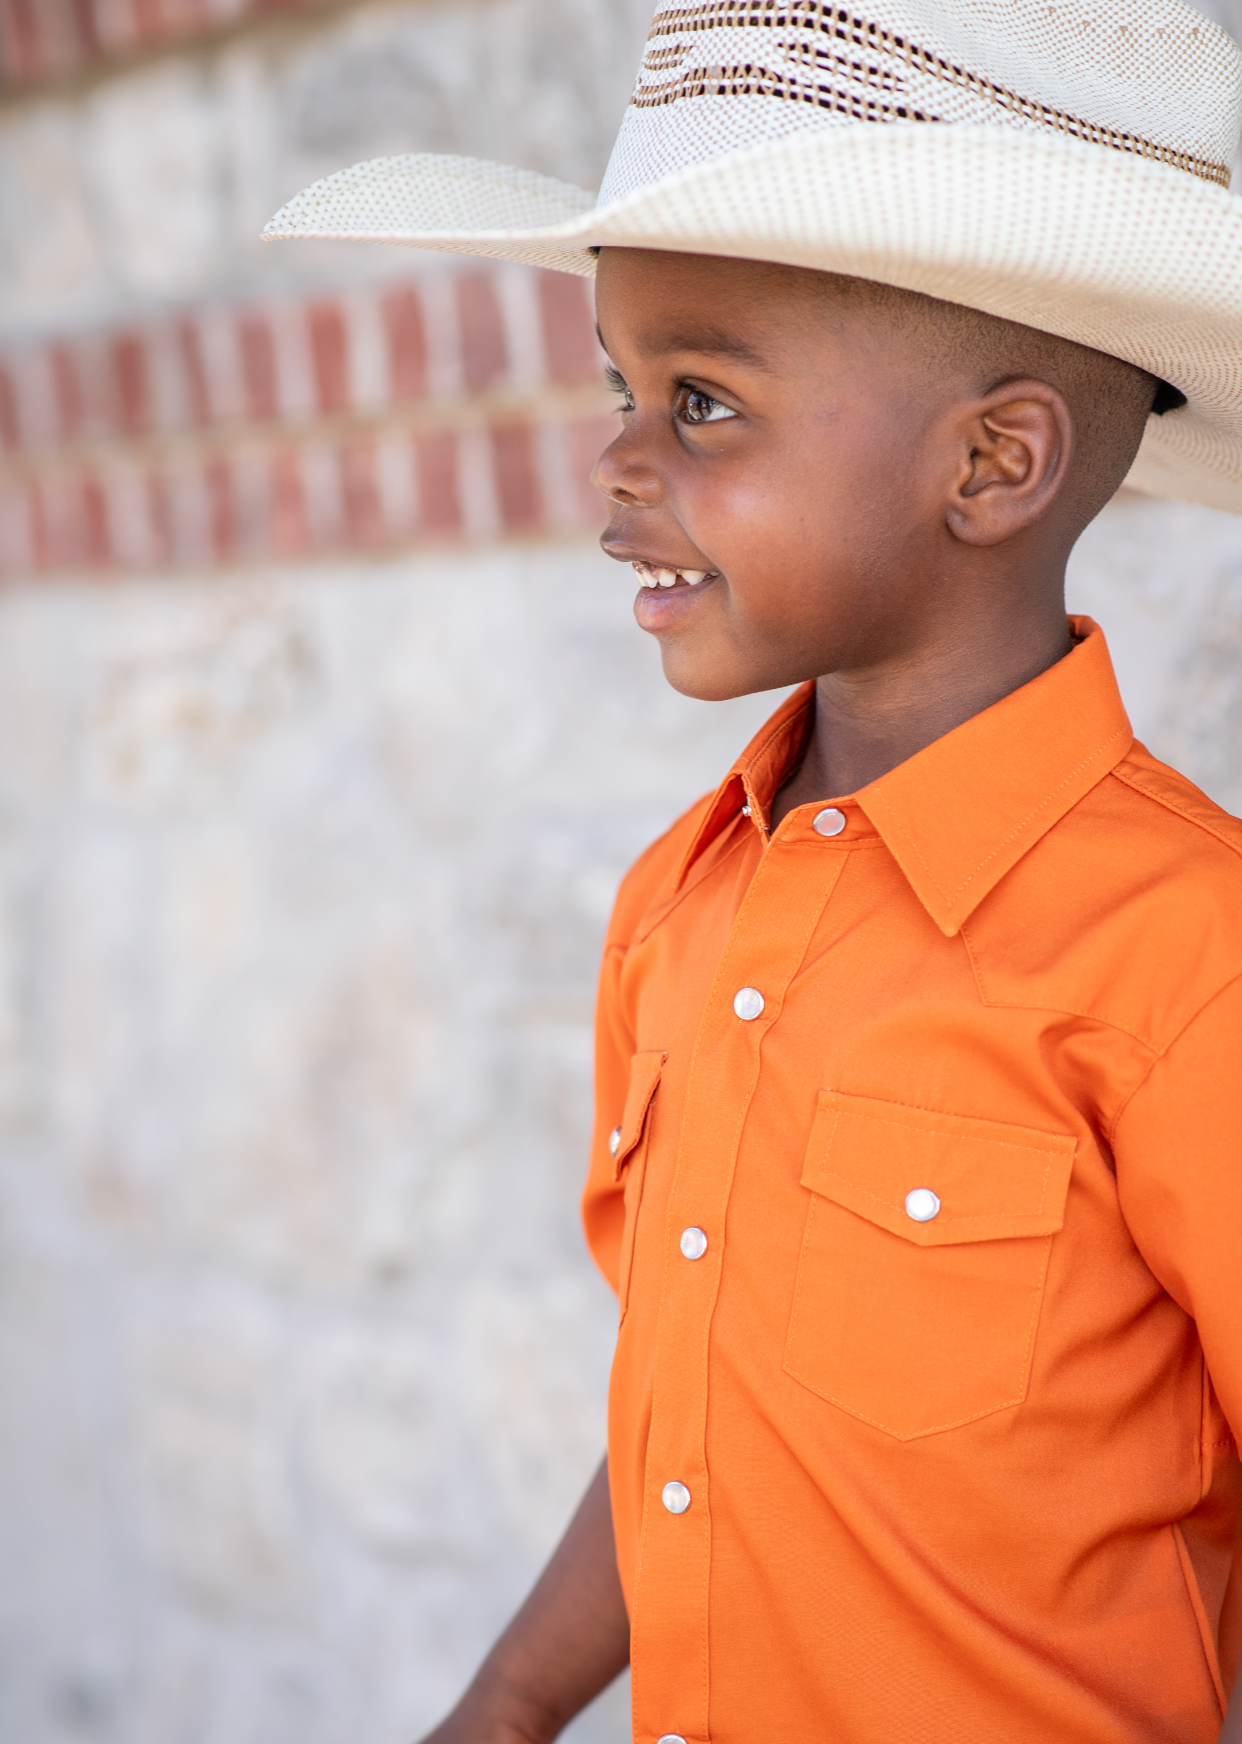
(301, 1359)
(303, 874)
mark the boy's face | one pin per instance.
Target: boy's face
(784, 438)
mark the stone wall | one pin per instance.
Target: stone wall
(318, 767)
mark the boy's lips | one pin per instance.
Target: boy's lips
(653, 575)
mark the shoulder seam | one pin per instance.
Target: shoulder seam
(1136, 785)
(1164, 1052)
(637, 865)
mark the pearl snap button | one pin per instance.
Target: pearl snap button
(693, 1243)
(748, 1003)
(671, 1738)
(676, 1498)
(829, 822)
(922, 1204)
(614, 1141)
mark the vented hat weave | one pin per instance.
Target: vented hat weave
(1061, 163)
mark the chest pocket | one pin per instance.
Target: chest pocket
(630, 1159)
(923, 1262)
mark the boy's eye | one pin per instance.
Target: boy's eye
(619, 385)
(701, 408)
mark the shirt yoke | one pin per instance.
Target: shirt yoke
(1129, 912)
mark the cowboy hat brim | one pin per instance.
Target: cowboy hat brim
(1126, 255)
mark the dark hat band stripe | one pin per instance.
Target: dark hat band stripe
(874, 39)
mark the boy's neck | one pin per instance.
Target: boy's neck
(868, 721)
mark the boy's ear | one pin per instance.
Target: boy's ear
(1014, 448)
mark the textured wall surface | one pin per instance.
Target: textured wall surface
(314, 791)
(301, 1360)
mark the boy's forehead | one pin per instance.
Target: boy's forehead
(715, 306)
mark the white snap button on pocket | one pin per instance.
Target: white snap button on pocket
(922, 1204)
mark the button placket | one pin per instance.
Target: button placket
(773, 929)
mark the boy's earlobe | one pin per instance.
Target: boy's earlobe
(1017, 447)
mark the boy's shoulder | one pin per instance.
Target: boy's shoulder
(650, 887)
(1180, 799)
(1129, 911)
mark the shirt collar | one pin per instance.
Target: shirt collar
(963, 811)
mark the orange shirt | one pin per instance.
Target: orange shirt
(925, 1215)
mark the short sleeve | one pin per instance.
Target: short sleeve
(1178, 1153)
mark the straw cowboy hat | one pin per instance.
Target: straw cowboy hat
(1062, 163)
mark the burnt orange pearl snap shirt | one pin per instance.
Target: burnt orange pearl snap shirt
(918, 1172)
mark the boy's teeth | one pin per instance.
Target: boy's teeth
(650, 576)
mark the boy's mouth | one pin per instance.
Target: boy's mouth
(653, 575)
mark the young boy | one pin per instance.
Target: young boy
(917, 1165)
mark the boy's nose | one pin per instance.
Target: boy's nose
(623, 473)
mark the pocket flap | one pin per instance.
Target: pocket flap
(991, 1180)
(644, 1076)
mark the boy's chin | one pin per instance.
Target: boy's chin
(705, 684)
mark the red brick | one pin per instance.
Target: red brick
(258, 364)
(18, 43)
(98, 388)
(290, 531)
(83, 12)
(250, 497)
(40, 551)
(16, 558)
(59, 43)
(330, 355)
(484, 355)
(517, 478)
(224, 531)
(190, 515)
(159, 512)
(568, 320)
(68, 525)
(10, 429)
(149, 22)
(439, 495)
(364, 514)
(197, 396)
(24, 51)
(407, 344)
(129, 375)
(95, 529)
(67, 382)
(588, 438)
(114, 24)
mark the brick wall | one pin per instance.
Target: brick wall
(41, 38)
(465, 404)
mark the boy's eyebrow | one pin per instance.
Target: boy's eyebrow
(706, 342)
